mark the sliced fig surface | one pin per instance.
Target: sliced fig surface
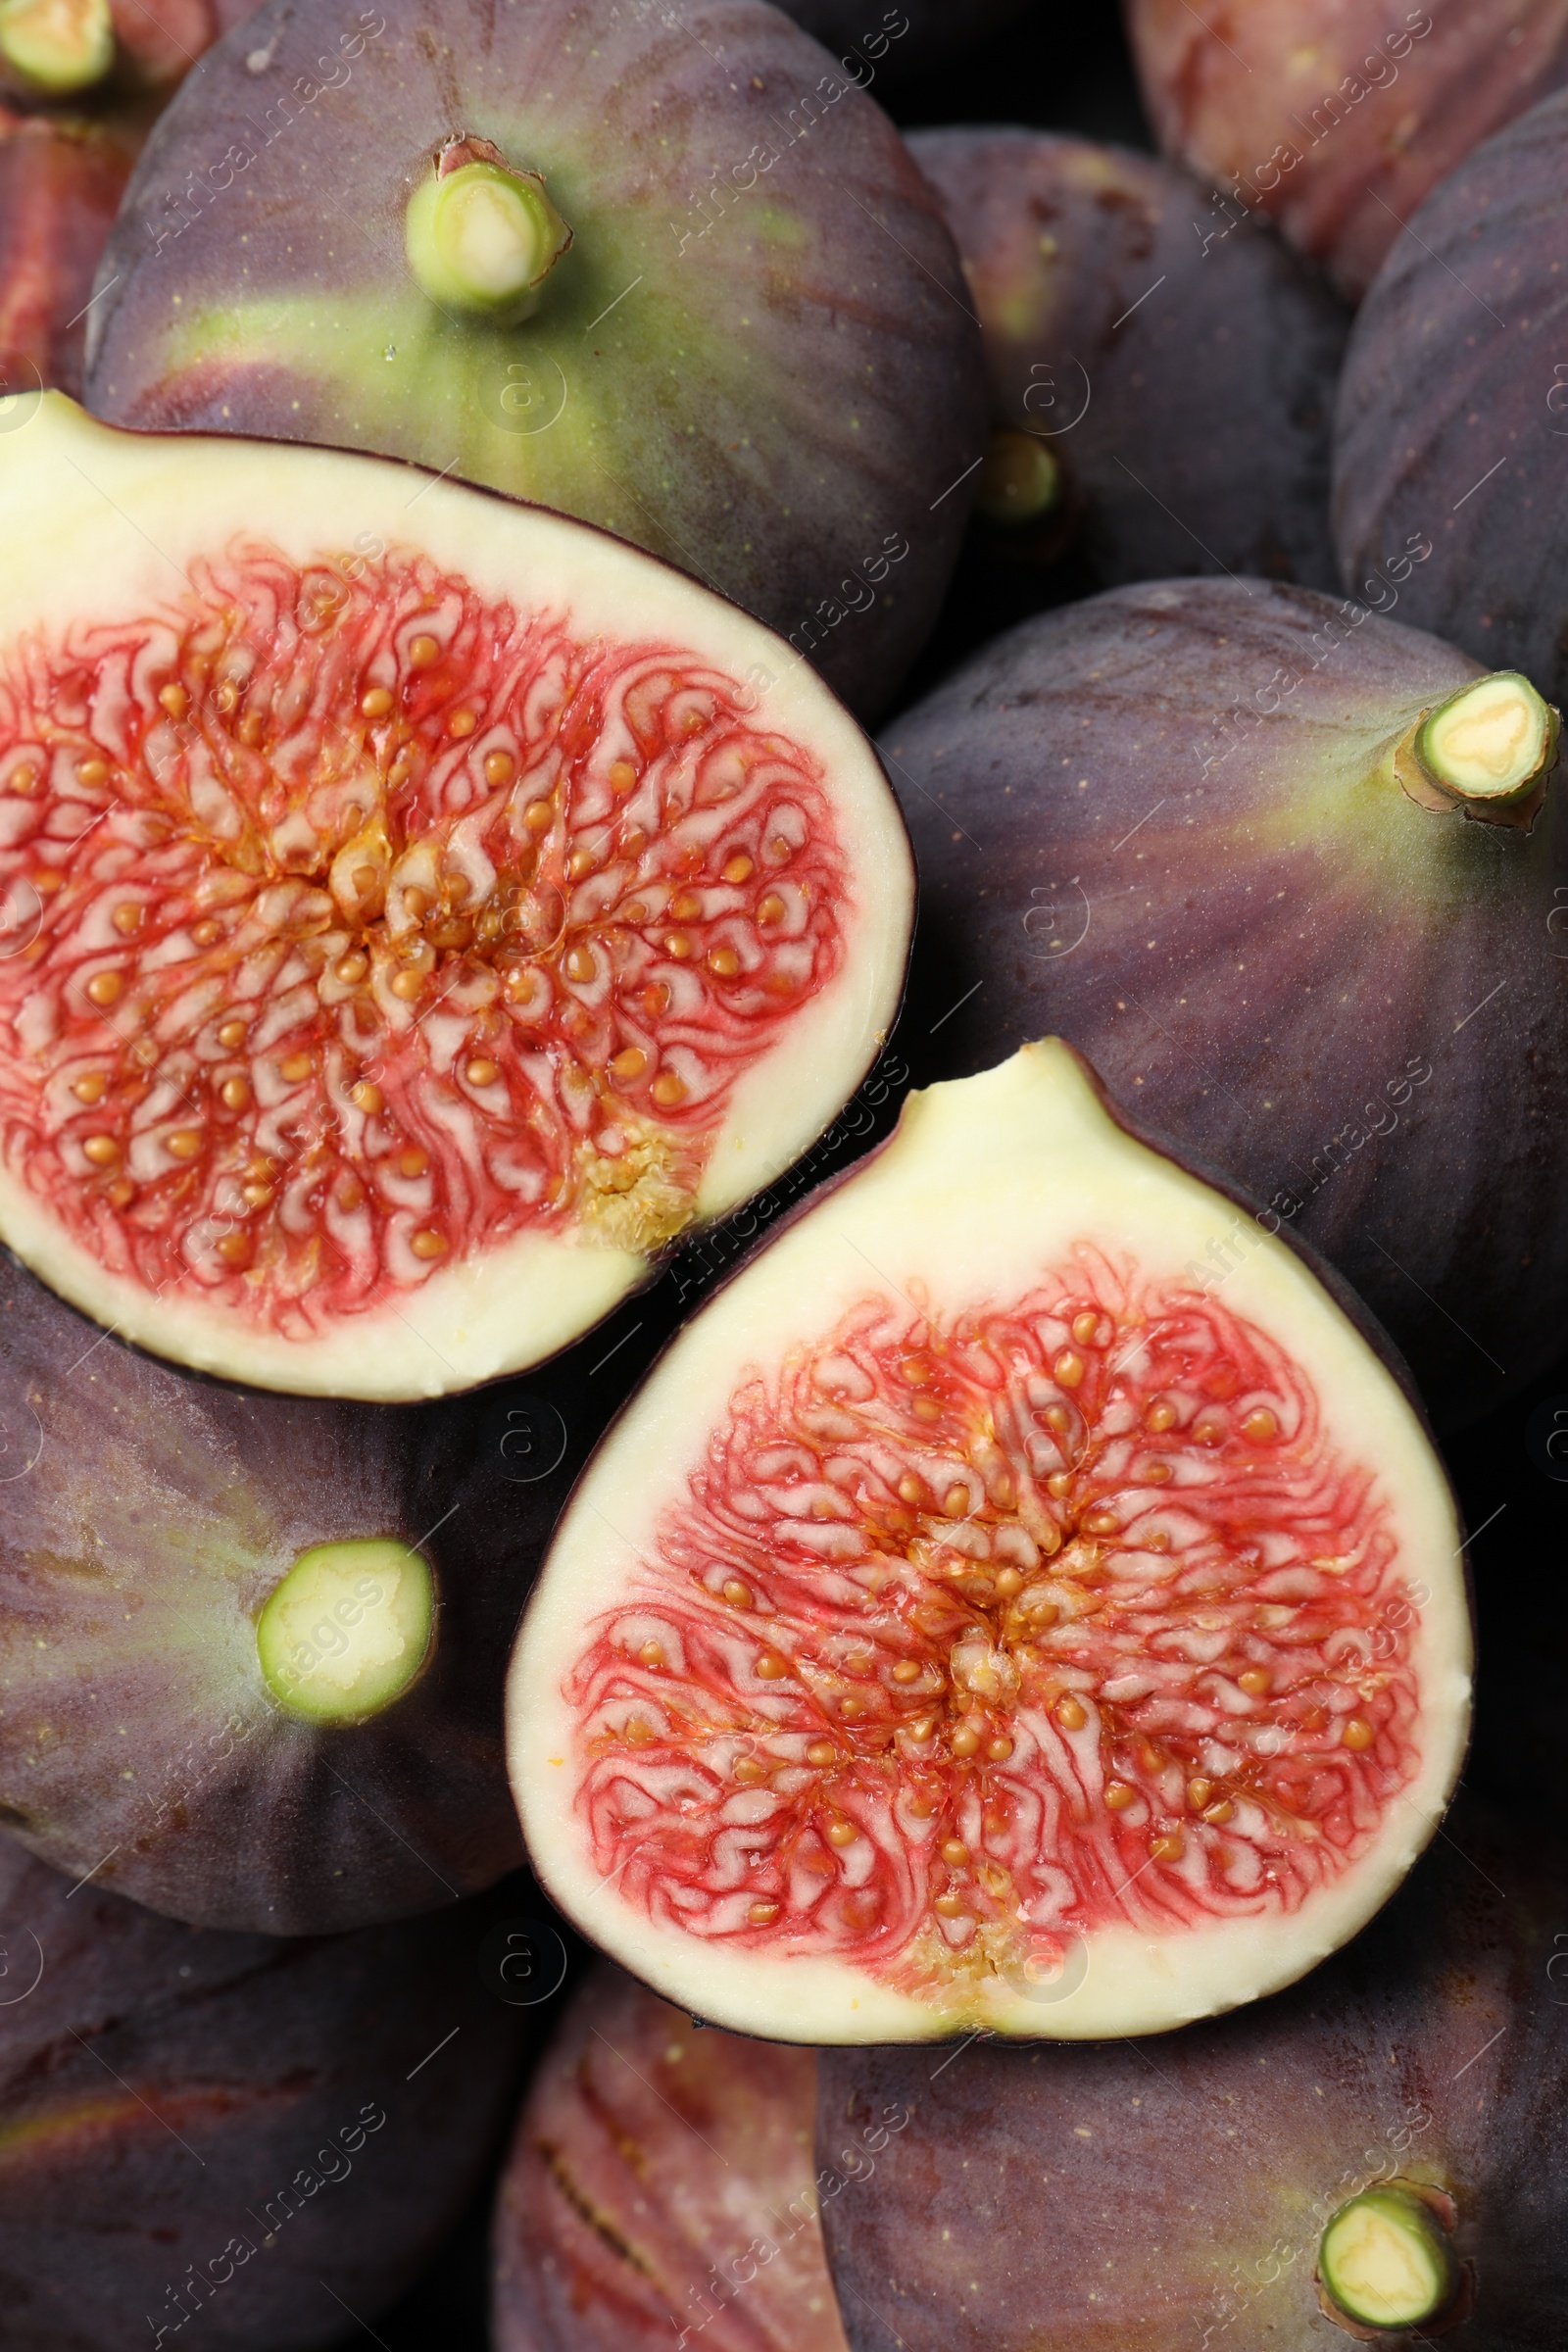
(1184, 825)
(662, 2177)
(1379, 2154)
(417, 909)
(752, 354)
(1160, 401)
(1022, 1574)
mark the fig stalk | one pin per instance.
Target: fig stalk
(347, 1629)
(1486, 752)
(481, 237)
(1386, 2261)
(57, 47)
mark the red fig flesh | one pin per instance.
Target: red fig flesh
(983, 1596)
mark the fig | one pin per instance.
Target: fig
(1451, 391)
(752, 354)
(252, 1648)
(1379, 2153)
(414, 909)
(250, 2135)
(1161, 402)
(1192, 826)
(1338, 119)
(1022, 1575)
(61, 183)
(661, 2177)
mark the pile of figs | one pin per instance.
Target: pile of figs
(767, 1493)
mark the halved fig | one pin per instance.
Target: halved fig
(230, 2132)
(1378, 2155)
(1230, 839)
(252, 1647)
(671, 270)
(662, 2177)
(1021, 1600)
(417, 909)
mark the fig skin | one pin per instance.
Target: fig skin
(161, 2088)
(651, 2159)
(1194, 2186)
(1184, 387)
(61, 181)
(786, 465)
(1338, 117)
(1147, 914)
(148, 1514)
(1436, 392)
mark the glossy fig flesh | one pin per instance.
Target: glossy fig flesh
(1380, 2153)
(252, 1648)
(1453, 389)
(1162, 376)
(671, 272)
(1181, 826)
(1022, 1574)
(414, 909)
(662, 2181)
(1339, 116)
(243, 2135)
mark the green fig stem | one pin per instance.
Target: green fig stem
(1384, 2261)
(1020, 481)
(347, 1629)
(1486, 752)
(55, 47)
(481, 238)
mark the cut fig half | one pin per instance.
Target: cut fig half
(414, 909)
(1022, 1600)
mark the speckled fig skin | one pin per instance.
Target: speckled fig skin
(60, 188)
(661, 2179)
(1453, 388)
(188, 2120)
(936, 30)
(777, 387)
(1259, 944)
(146, 1514)
(1114, 2197)
(1176, 360)
(1338, 117)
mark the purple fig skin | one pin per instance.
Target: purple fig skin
(187, 2119)
(661, 2180)
(765, 371)
(1454, 387)
(1152, 824)
(1176, 361)
(1339, 116)
(148, 1514)
(934, 30)
(1097, 2198)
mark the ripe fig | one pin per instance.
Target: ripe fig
(1380, 2153)
(1021, 1600)
(1451, 391)
(414, 909)
(1162, 373)
(1338, 117)
(663, 2178)
(60, 187)
(249, 2135)
(671, 271)
(1189, 825)
(252, 1648)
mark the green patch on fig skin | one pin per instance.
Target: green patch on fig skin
(481, 238)
(56, 47)
(348, 1630)
(1485, 750)
(1384, 2261)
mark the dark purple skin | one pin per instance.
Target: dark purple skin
(1177, 361)
(1453, 407)
(757, 359)
(148, 1513)
(936, 30)
(171, 2097)
(1113, 2197)
(1260, 943)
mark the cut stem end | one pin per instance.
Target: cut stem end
(1020, 481)
(1384, 2261)
(1486, 752)
(482, 238)
(57, 47)
(347, 1629)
